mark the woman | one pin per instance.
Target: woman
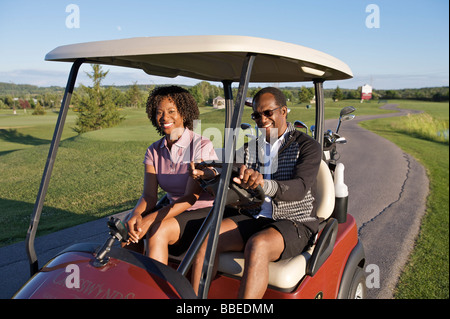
(172, 111)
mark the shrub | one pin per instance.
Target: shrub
(39, 110)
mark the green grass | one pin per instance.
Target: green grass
(25, 130)
(94, 176)
(89, 180)
(426, 275)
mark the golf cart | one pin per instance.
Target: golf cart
(331, 268)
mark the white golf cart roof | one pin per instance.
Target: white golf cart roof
(210, 58)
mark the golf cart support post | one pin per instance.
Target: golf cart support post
(31, 234)
(158, 62)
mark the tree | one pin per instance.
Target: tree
(24, 104)
(204, 93)
(119, 98)
(8, 100)
(253, 90)
(197, 94)
(288, 95)
(97, 76)
(96, 107)
(305, 95)
(391, 94)
(134, 96)
(337, 94)
(353, 94)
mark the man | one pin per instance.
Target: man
(285, 162)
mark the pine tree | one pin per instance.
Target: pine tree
(337, 94)
(305, 95)
(96, 107)
(134, 95)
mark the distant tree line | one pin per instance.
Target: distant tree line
(134, 95)
(436, 94)
(98, 106)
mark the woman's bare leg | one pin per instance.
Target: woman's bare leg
(229, 240)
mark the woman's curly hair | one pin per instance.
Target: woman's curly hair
(184, 101)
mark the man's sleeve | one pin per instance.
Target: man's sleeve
(305, 174)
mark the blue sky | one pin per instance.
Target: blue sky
(409, 48)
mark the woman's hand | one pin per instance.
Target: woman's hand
(197, 171)
(134, 225)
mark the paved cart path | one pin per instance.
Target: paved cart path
(387, 197)
(387, 193)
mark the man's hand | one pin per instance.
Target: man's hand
(249, 178)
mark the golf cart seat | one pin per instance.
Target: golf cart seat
(286, 274)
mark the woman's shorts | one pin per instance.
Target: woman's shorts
(190, 223)
(296, 235)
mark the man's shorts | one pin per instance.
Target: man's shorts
(296, 235)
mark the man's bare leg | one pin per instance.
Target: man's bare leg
(262, 248)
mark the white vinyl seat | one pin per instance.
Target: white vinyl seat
(286, 274)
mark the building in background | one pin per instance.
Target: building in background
(366, 92)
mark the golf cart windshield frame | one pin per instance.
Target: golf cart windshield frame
(212, 223)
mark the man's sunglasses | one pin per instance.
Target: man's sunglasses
(266, 113)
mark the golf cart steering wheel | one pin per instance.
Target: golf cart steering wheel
(237, 196)
(247, 198)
